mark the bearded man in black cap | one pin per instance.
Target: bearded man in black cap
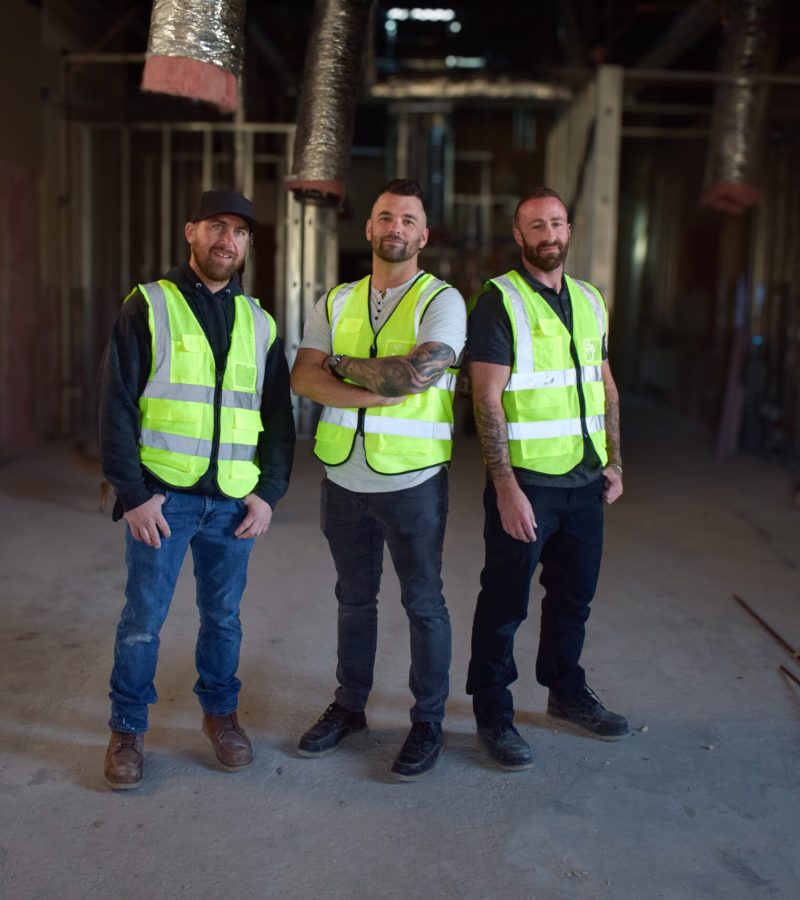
(197, 440)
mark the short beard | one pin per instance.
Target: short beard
(395, 252)
(545, 263)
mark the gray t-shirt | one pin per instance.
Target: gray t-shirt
(445, 321)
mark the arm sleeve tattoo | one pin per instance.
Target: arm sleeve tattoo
(396, 376)
(490, 421)
(613, 441)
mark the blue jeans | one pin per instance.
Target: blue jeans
(569, 546)
(206, 524)
(411, 523)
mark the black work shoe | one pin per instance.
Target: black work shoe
(506, 746)
(419, 753)
(586, 713)
(332, 727)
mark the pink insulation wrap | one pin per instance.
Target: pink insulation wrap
(191, 78)
(727, 197)
(195, 50)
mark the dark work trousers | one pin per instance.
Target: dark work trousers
(411, 523)
(569, 546)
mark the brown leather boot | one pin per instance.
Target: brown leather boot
(124, 763)
(229, 741)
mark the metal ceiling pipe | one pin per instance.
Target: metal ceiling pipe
(739, 117)
(331, 80)
(195, 50)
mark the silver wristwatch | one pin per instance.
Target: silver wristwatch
(333, 361)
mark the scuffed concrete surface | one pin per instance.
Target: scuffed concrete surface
(700, 802)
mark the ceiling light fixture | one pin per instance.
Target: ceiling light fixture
(421, 14)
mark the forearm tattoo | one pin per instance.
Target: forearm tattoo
(490, 422)
(613, 445)
(396, 376)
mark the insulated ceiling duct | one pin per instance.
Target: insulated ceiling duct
(739, 118)
(326, 113)
(195, 50)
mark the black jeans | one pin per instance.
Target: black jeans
(411, 523)
(569, 546)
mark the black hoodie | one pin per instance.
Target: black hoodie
(124, 372)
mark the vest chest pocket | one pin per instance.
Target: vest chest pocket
(412, 402)
(244, 377)
(539, 405)
(550, 345)
(346, 335)
(246, 425)
(168, 417)
(190, 360)
(398, 348)
(597, 391)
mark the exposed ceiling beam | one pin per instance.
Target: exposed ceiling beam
(684, 32)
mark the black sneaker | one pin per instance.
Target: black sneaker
(332, 727)
(587, 714)
(419, 753)
(506, 747)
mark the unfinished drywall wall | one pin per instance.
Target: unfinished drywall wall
(20, 164)
(20, 139)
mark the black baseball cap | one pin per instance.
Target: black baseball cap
(217, 203)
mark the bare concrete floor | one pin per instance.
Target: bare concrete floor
(700, 802)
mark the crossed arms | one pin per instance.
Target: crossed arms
(384, 381)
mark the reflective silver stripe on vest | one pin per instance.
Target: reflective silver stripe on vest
(527, 431)
(524, 349)
(346, 418)
(261, 333)
(526, 381)
(337, 304)
(162, 361)
(175, 443)
(446, 382)
(434, 287)
(241, 400)
(595, 424)
(337, 416)
(437, 431)
(597, 306)
(195, 393)
(238, 452)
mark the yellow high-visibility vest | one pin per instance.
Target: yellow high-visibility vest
(541, 400)
(184, 391)
(417, 433)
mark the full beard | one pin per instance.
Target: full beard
(216, 269)
(548, 262)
